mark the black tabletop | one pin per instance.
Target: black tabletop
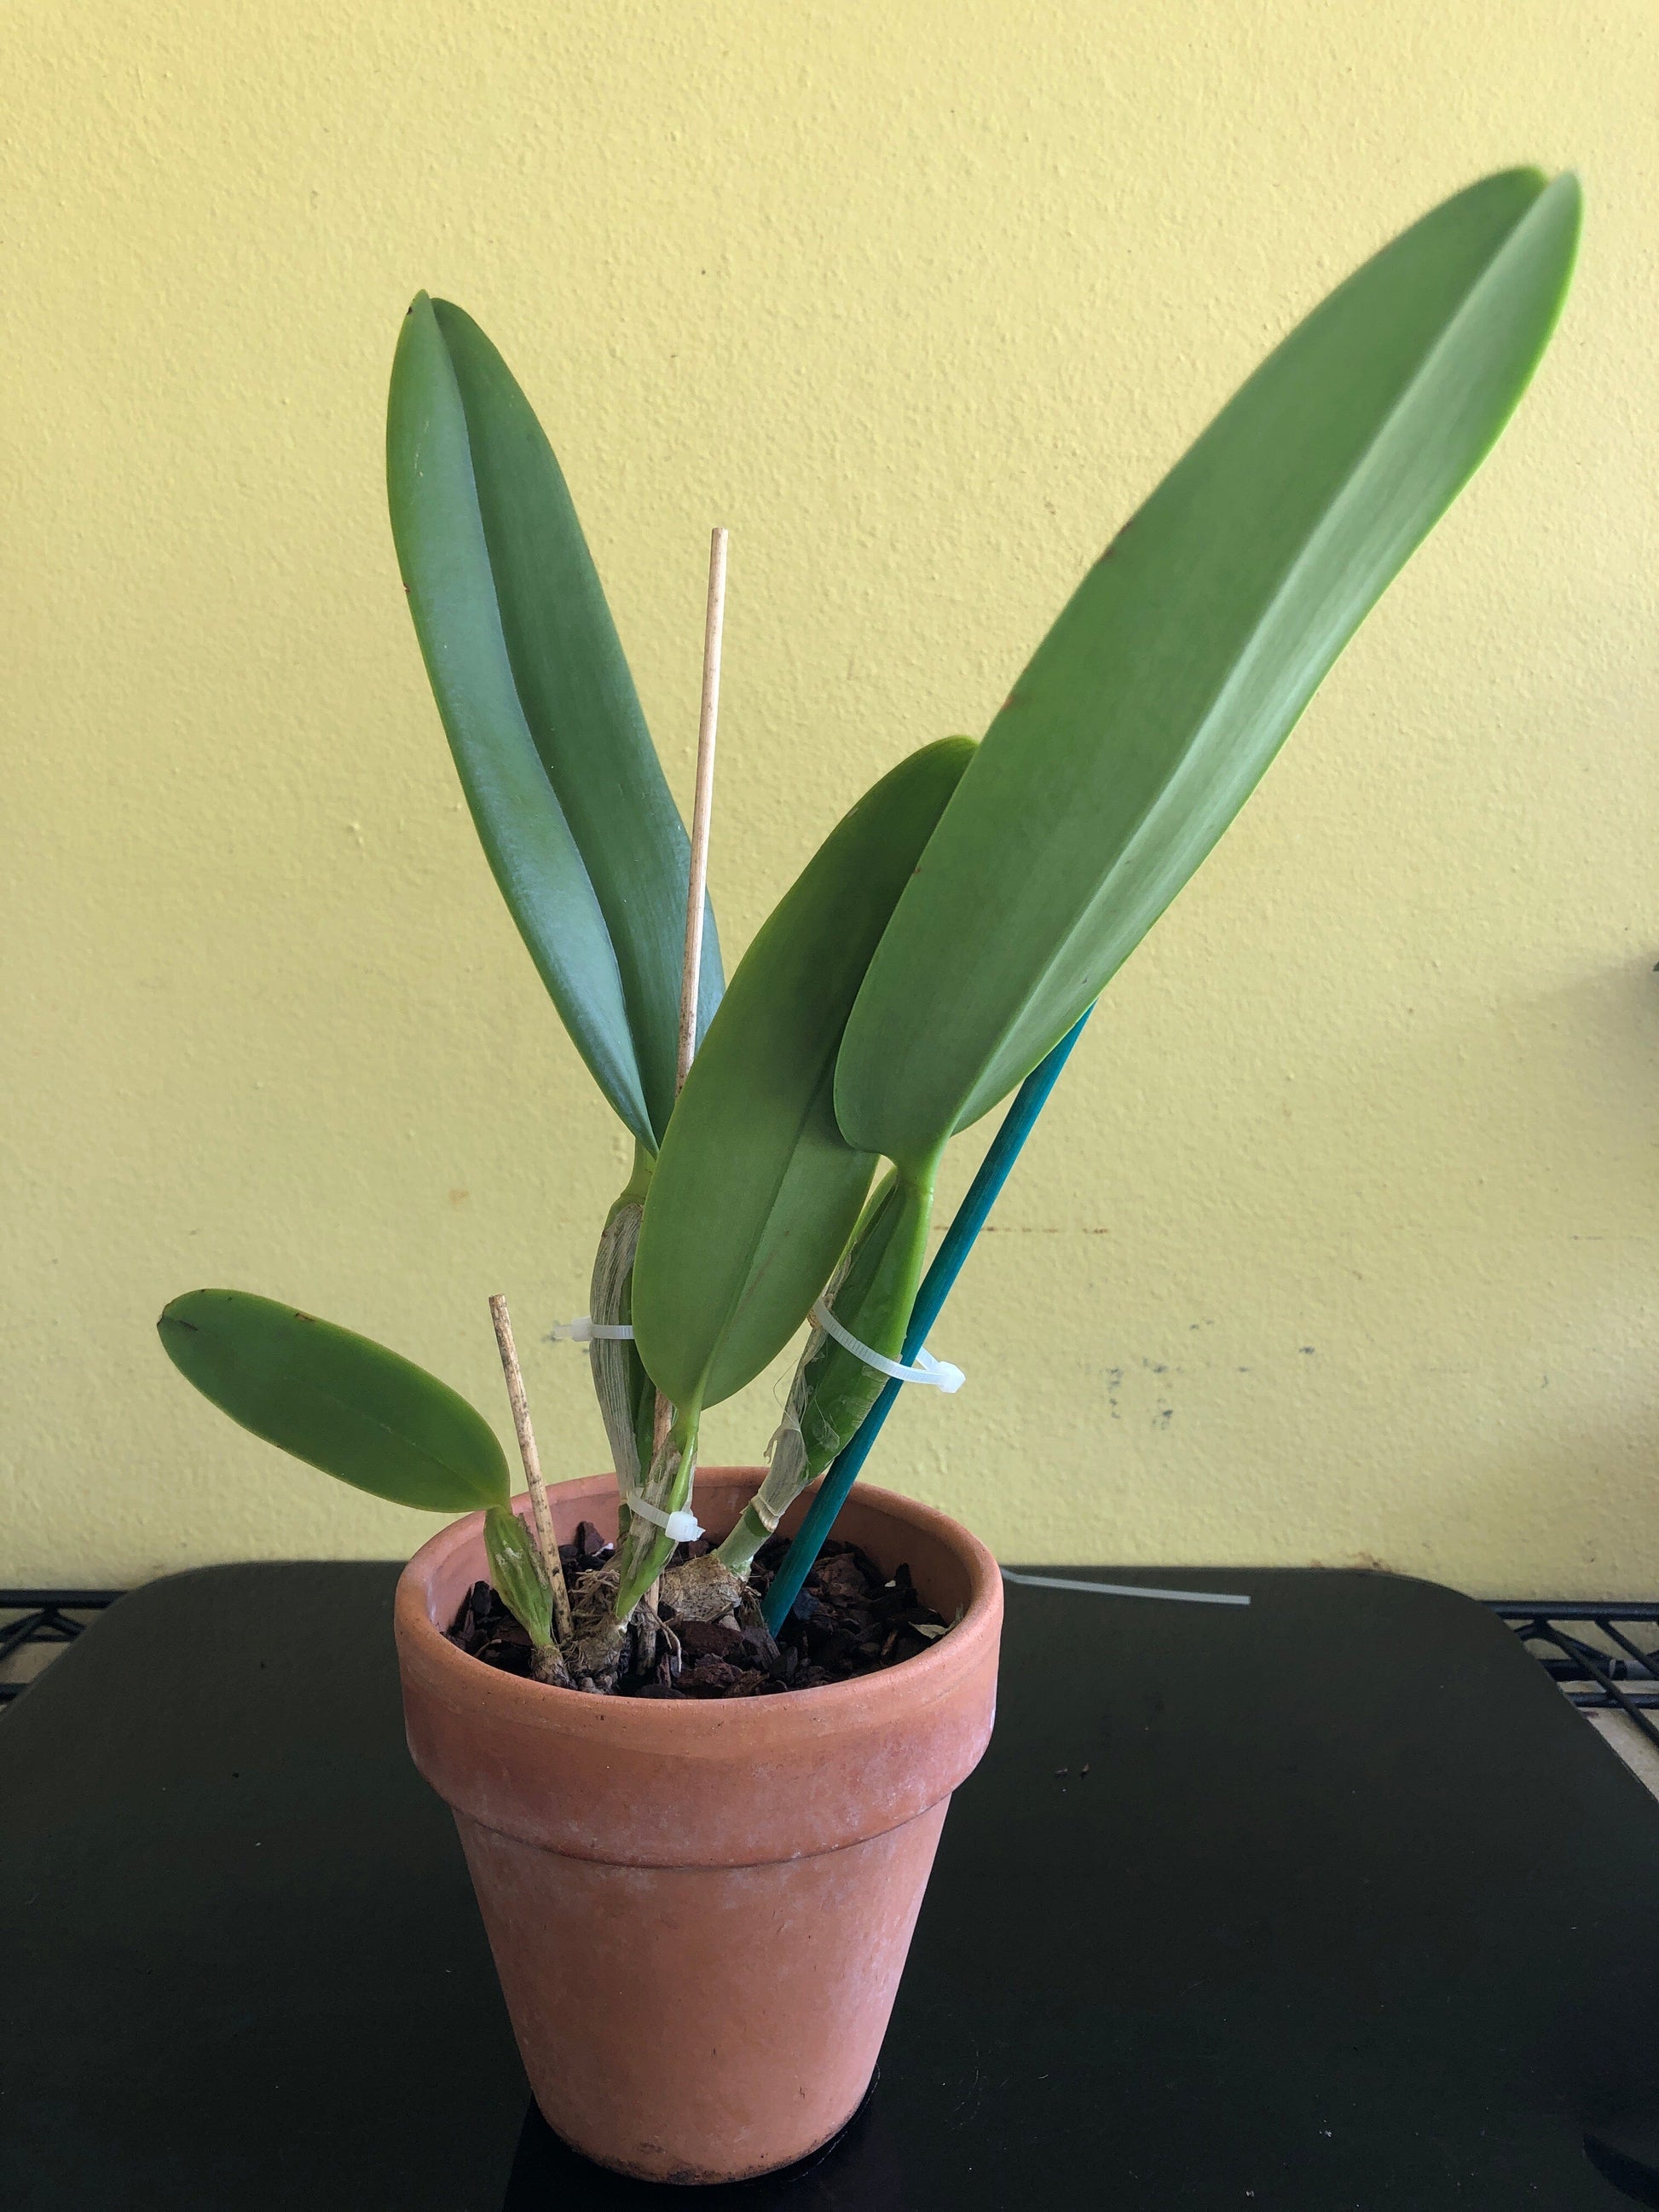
(1348, 1908)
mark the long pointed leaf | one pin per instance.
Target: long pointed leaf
(756, 1192)
(337, 1401)
(540, 707)
(1156, 702)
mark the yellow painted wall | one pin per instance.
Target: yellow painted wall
(1338, 1241)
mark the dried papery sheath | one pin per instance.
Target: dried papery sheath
(833, 1387)
(645, 1551)
(620, 1384)
(618, 1377)
(805, 1441)
(787, 1470)
(789, 1462)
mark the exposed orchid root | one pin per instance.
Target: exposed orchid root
(601, 1647)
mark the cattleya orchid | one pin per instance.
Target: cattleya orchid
(951, 931)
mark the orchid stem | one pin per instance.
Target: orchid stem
(970, 1218)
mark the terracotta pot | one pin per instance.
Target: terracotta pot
(700, 1910)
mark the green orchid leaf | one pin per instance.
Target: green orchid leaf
(337, 1401)
(536, 697)
(1158, 699)
(516, 1573)
(756, 1192)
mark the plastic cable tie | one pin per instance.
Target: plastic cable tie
(583, 1331)
(684, 1526)
(1123, 1589)
(938, 1372)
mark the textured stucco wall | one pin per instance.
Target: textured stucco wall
(1338, 1242)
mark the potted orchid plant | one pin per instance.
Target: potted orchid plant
(664, 1744)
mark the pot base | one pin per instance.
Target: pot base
(707, 2060)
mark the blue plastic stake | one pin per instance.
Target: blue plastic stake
(993, 1171)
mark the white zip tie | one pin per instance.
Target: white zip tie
(1123, 1589)
(938, 1372)
(684, 1526)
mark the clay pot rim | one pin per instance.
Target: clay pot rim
(689, 1726)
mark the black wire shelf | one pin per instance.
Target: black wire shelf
(1605, 1657)
(33, 1619)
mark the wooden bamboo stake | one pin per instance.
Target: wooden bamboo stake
(696, 888)
(546, 1542)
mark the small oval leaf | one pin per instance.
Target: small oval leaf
(337, 1401)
